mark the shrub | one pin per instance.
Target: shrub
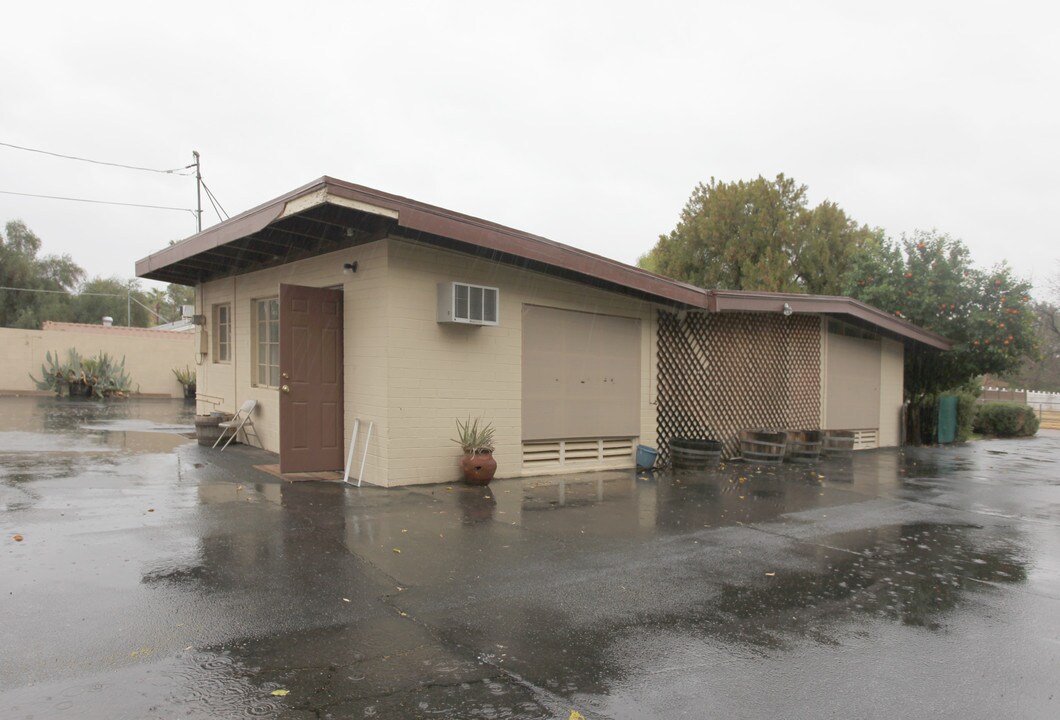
(99, 376)
(186, 376)
(473, 438)
(965, 416)
(1003, 419)
(925, 415)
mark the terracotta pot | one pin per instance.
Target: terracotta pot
(479, 468)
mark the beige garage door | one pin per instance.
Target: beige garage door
(581, 375)
(852, 383)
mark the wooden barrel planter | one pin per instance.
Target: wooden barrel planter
(838, 443)
(692, 454)
(804, 446)
(206, 427)
(763, 446)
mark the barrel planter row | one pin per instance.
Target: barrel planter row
(838, 443)
(763, 446)
(694, 454)
(797, 446)
(804, 446)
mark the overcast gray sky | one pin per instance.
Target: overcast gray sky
(586, 122)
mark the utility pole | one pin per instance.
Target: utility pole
(198, 192)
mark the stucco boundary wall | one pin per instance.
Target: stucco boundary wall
(150, 355)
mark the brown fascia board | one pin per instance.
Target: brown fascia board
(431, 220)
(750, 301)
(423, 218)
(240, 226)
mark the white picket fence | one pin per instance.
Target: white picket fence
(1040, 401)
(1043, 401)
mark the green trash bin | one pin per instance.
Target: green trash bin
(947, 419)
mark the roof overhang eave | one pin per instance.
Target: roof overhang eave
(748, 301)
(421, 219)
(177, 262)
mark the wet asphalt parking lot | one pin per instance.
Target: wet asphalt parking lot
(156, 578)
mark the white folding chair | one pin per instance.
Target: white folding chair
(240, 421)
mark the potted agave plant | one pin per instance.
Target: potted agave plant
(476, 440)
(186, 378)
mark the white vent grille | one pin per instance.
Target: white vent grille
(468, 304)
(866, 439)
(583, 453)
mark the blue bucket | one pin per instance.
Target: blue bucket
(646, 457)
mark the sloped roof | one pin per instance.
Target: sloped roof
(329, 214)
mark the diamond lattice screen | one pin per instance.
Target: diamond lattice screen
(723, 373)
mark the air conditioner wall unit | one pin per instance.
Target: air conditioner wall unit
(466, 304)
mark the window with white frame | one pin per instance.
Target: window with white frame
(266, 372)
(222, 334)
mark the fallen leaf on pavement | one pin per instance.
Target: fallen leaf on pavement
(279, 693)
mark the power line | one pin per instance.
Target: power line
(200, 185)
(174, 171)
(217, 208)
(99, 202)
(128, 296)
(60, 292)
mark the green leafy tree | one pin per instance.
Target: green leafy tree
(760, 235)
(122, 300)
(929, 280)
(156, 300)
(166, 305)
(1043, 372)
(39, 284)
(177, 296)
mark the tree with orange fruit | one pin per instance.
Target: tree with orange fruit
(929, 280)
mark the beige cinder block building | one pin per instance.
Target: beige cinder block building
(338, 303)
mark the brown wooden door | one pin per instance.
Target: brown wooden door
(311, 415)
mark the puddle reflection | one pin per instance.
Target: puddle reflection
(916, 575)
(910, 573)
(65, 425)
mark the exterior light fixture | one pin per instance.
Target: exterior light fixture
(787, 310)
(349, 267)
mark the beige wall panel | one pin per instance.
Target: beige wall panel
(217, 381)
(440, 372)
(853, 383)
(227, 385)
(892, 392)
(150, 355)
(405, 371)
(580, 375)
